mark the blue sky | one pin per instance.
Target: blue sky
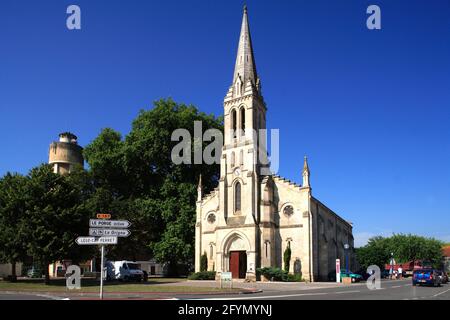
(369, 108)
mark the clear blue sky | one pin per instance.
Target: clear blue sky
(371, 109)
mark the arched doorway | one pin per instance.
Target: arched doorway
(238, 264)
(236, 248)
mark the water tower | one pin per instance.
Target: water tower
(65, 154)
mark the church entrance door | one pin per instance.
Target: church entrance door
(238, 264)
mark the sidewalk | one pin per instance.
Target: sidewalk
(265, 286)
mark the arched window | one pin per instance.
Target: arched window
(241, 158)
(233, 122)
(242, 121)
(233, 160)
(237, 197)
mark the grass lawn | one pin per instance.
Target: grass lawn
(89, 285)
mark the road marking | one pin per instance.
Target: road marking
(340, 292)
(272, 297)
(437, 295)
(395, 287)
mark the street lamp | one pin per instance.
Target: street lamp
(391, 272)
(346, 247)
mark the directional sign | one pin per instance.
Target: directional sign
(98, 223)
(99, 232)
(103, 216)
(94, 241)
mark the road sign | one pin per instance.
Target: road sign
(338, 270)
(226, 278)
(94, 241)
(100, 232)
(97, 223)
(103, 216)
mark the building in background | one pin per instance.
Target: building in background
(446, 258)
(65, 153)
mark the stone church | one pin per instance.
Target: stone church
(248, 221)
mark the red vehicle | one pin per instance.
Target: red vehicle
(408, 267)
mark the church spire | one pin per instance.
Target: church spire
(245, 68)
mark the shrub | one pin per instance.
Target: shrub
(287, 257)
(277, 274)
(204, 262)
(294, 278)
(203, 275)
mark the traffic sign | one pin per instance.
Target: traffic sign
(99, 232)
(103, 216)
(94, 241)
(98, 223)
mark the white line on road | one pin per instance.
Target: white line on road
(437, 295)
(340, 292)
(272, 297)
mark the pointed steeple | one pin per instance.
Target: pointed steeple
(245, 67)
(305, 173)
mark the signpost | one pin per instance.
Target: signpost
(86, 241)
(98, 223)
(226, 277)
(103, 216)
(99, 232)
(338, 270)
(104, 232)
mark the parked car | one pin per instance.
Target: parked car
(384, 274)
(427, 277)
(123, 271)
(34, 272)
(443, 276)
(354, 276)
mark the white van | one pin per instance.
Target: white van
(123, 271)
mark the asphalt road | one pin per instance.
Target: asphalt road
(26, 296)
(390, 290)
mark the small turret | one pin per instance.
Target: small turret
(200, 189)
(306, 173)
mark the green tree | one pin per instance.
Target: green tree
(376, 252)
(287, 257)
(57, 213)
(405, 248)
(136, 179)
(12, 214)
(204, 262)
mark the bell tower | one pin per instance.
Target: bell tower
(244, 151)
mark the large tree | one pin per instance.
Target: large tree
(136, 179)
(12, 214)
(405, 248)
(57, 213)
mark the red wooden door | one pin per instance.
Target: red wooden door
(234, 264)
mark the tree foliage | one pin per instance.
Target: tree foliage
(131, 178)
(12, 213)
(136, 179)
(204, 262)
(287, 257)
(405, 248)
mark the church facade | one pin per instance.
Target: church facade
(250, 219)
